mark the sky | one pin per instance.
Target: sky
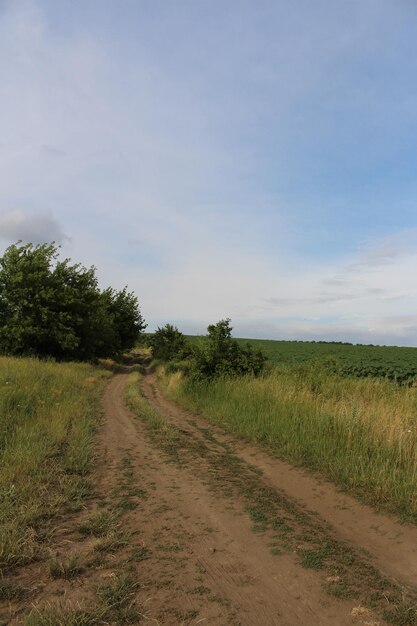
(242, 159)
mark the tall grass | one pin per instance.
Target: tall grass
(360, 433)
(48, 412)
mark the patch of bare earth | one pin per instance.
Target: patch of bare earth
(203, 529)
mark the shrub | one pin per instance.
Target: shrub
(218, 354)
(168, 344)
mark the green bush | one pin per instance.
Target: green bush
(168, 344)
(218, 354)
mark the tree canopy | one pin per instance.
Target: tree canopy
(51, 308)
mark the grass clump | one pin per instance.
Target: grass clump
(140, 553)
(62, 616)
(114, 541)
(49, 412)
(116, 605)
(98, 525)
(340, 590)
(68, 569)
(312, 559)
(402, 615)
(118, 600)
(10, 591)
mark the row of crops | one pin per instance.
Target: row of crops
(391, 362)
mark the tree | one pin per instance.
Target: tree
(52, 308)
(169, 343)
(26, 294)
(221, 355)
(126, 316)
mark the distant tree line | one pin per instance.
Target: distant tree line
(52, 308)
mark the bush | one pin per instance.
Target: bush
(220, 355)
(168, 344)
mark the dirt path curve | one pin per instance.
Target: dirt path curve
(393, 545)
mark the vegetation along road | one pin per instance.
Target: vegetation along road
(189, 525)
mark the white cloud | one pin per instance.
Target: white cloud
(39, 227)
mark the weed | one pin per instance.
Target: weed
(10, 591)
(98, 525)
(118, 600)
(65, 569)
(140, 554)
(280, 524)
(126, 504)
(403, 614)
(170, 547)
(259, 528)
(257, 514)
(340, 590)
(61, 616)
(114, 541)
(311, 559)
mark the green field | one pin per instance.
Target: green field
(391, 362)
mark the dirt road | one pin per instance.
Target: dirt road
(229, 563)
(218, 570)
(214, 531)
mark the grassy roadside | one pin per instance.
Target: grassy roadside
(359, 433)
(48, 412)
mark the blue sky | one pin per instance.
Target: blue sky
(255, 160)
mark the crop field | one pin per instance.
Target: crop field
(394, 363)
(390, 362)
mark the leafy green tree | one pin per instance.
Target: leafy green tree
(52, 308)
(127, 320)
(26, 294)
(221, 355)
(168, 343)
